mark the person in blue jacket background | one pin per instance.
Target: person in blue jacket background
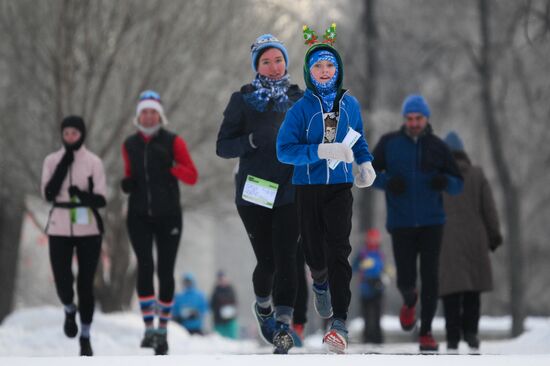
(369, 262)
(415, 167)
(190, 306)
(312, 133)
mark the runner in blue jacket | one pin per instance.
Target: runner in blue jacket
(312, 133)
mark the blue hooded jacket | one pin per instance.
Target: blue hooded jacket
(417, 162)
(190, 306)
(303, 130)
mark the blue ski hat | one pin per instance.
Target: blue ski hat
(416, 103)
(263, 43)
(322, 55)
(454, 141)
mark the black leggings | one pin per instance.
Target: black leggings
(408, 244)
(166, 232)
(325, 221)
(461, 314)
(372, 314)
(273, 234)
(300, 308)
(62, 249)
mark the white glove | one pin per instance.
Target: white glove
(366, 175)
(336, 151)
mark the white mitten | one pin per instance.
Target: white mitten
(336, 151)
(366, 175)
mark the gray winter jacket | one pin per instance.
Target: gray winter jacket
(472, 229)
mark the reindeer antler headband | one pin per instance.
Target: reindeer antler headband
(311, 37)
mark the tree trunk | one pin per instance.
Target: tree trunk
(115, 280)
(511, 193)
(11, 217)
(366, 196)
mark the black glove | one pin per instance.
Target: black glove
(495, 242)
(261, 138)
(128, 184)
(439, 182)
(54, 184)
(89, 199)
(396, 185)
(74, 191)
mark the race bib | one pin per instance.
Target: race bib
(260, 191)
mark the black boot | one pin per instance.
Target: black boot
(85, 347)
(70, 327)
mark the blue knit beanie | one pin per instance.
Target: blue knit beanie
(262, 43)
(416, 104)
(322, 55)
(454, 142)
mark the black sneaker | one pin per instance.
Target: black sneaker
(85, 347)
(148, 340)
(70, 327)
(161, 343)
(282, 339)
(472, 340)
(452, 346)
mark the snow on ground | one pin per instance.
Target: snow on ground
(35, 337)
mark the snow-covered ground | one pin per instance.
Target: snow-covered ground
(34, 337)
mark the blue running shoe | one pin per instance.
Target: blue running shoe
(282, 338)
(322, 302)
(266, 323)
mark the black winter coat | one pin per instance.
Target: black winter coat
(240, 120)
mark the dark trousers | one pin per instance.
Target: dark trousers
(371, 310)
(273, 234)
(300, 307)
(461, 314)
(325, 214)
(165, 231)
(62, 249)
(408, 245)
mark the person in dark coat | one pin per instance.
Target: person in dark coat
(415, 167)
(471, 231)
(155, 159)
(224, 307)
(248, 131)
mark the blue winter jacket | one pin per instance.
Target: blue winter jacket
(302, 131)
(370, 265)
(417, 162)
(190, 307)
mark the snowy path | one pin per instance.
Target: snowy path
(34, 337)
(277, 360)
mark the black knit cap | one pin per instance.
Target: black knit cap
(78, 123)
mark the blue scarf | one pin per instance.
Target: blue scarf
(269, 89)
(326, 91)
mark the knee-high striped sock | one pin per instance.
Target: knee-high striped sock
(148, 305)
(165, 313)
